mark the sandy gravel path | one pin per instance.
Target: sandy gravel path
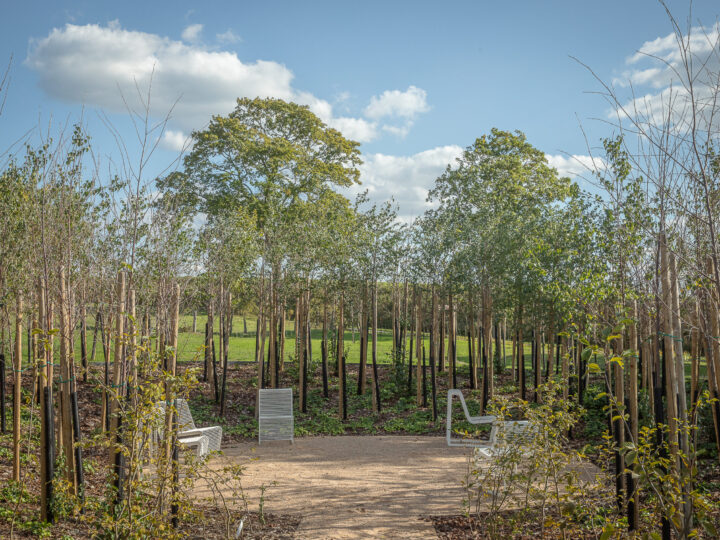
(356, 487)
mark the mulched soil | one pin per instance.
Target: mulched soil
(240, 405)
(476, 527)
(90, 408)
(241, 396)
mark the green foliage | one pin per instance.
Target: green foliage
(539, 476)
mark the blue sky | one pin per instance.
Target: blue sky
(413, 81)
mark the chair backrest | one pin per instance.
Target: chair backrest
(458, 394)
(275, 402)
(185, 419)
(516, 432)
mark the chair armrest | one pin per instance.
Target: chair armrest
(190, 433)
(482, 419)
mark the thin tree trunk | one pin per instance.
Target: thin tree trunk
(362, 368)
(341, 358)
(17, 388)
(377, 405)
(324, 351)
(418, 351)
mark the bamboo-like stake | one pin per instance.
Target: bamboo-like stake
(208, 352)
(632, 394)
(514, 357)
(172, 365)
(299, 316)
(171, 425)
(551, 345)
(362, 368)
(116, 389)
(618, 412)
(488, 385)
(65, 369)
(565, 369)
(538, 364)
(694, 355)
(272, 342)
(504, 338)
(17, 395)
(3, 419)
(521, 355)
(307, 331)
(669, 350)
(377, 405)
(45, 408)
(324, 351)
(712, 351)
(281, 354)
(83, 335)
(471, 342)
(341, 357)
(683, 426)
(50, 362)
(221, 333)
(226, 349)
(132, 331)
(434, 351)
(104, 343)
(450, 346)
(418, 350)
(443, 332)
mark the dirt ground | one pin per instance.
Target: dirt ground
(355, 486)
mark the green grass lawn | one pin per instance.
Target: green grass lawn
(242, 346)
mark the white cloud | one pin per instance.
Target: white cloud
(406, 178)
(660, 82)
(98, 65)
(175, 141)
(192, 33)
(398, 105)
(228, 37)
(575, 166)
(356, 129)
(394, 103)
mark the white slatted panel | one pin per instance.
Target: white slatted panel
(275, 415)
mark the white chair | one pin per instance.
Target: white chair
(506, 435)
(475, 420)
(203, 440)
(275, 415)
(187, 428)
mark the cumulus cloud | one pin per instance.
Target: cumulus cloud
(192, 33)
(398, 105)
(357, 129)
(176, 141)
(659, 81)
(575, 166)
(406, 178)
(394, 103)
(100, 65)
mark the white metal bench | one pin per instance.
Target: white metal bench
(505, 435)
(202, 440)
(275, 415)
(475, 420)
(187, 427)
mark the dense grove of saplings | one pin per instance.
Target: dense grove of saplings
(511, 261)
